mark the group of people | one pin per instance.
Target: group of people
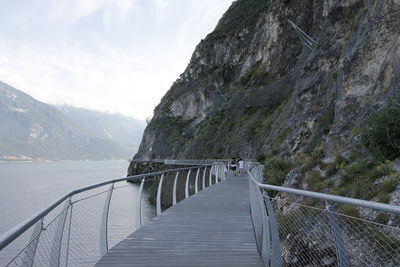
(237, 166)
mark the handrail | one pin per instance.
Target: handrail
(285, 226)
(327, 197)
(20, 228)
(185, 161)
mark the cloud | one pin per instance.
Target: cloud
(68, 58)
(63, 74)
(71, 11)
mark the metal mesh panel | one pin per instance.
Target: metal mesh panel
(80, 231)
(294, 230)
(309, 236)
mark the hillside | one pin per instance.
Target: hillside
(321, 115)
(124, 131)
(251, 86)
(30, 129)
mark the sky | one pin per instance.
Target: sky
(119, 56)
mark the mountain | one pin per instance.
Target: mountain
(125, 131)
(30, 129)
(256, 84)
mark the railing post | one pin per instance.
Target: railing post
(139, 209)
(58, 235)
(159, 195)
(196, 188)
(210, 179)
(216, 173)
(187, 185)
(266, 240)
(256, 209)
(204, 178)
(174, 189)
(104, 223)
(69, 234)
(341, 253)
(30, 250)
(276, 259)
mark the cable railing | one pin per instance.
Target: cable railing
(303, 228)
(80, 227)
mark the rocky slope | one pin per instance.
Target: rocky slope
(251, 86)
(30, 129)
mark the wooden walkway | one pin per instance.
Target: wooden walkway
(211, 228)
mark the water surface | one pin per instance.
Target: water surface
(28, 187)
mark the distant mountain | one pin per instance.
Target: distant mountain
(30, 129)
(125, 131)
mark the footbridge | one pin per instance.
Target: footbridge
(204, 216)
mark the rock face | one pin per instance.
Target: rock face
(251, 86)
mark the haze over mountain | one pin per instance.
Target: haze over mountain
(30, 129)
(123, 130)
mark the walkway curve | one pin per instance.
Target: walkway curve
(211, 228)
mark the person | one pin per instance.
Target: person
(233, 166)
(241, 166)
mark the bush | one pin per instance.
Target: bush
(316, 182)
(349, 211)
(261, 157)
(339, 163)
(388, 186)
(382, 218)
(381, 134)
(276, 170)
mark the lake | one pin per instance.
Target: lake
(28, 187)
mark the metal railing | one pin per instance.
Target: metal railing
(80, 227)
(305, 39)
(303, 228)
(182, 162)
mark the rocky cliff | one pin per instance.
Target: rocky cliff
(252, 86)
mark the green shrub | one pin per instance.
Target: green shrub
(384, 243)
(349, 211)
(276, 170)
(382, 218)
(339, 163)
(318, 152)
(383, 198)
(381, 134)
(389, 185)
(362, 189)
(316, 182)
(356, 170)
(261, 157)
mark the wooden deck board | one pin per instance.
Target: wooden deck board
(211, 228)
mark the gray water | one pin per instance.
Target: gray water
(28, 187)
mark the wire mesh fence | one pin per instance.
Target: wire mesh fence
(298, 230)
(81, 229)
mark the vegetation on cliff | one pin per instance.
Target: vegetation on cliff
(326, 116)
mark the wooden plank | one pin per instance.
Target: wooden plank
(211, 228)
